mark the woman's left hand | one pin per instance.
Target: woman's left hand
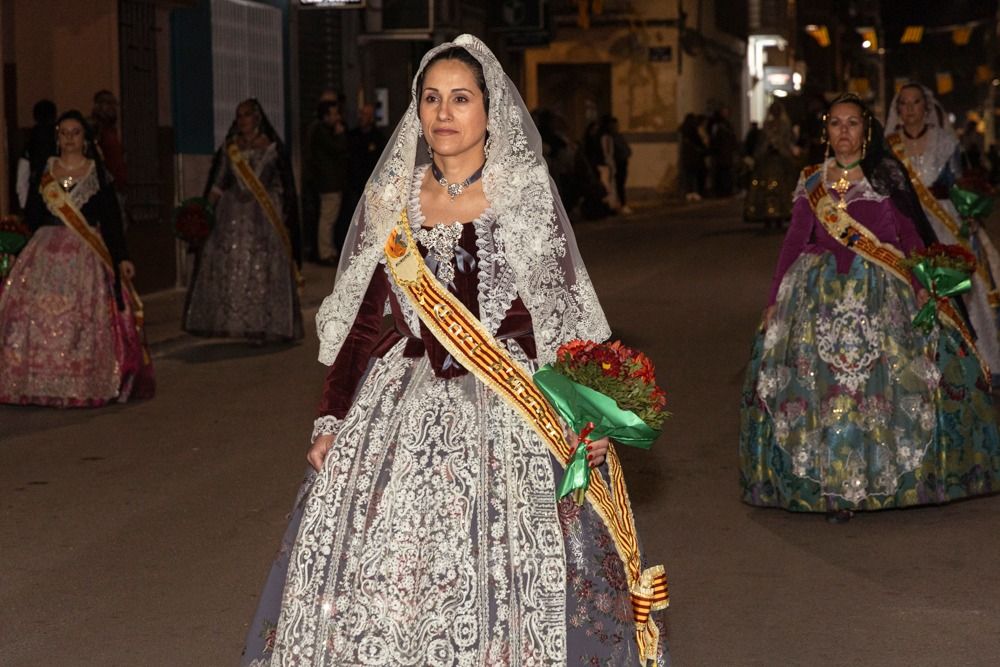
(127, 269)
(596, 450)
(923, 296)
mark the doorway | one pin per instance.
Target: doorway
(579, 92)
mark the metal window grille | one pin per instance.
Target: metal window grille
(247, 61)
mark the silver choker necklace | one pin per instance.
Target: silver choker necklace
(455, 189)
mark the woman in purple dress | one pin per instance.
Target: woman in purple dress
(848, 406)
(429, 533)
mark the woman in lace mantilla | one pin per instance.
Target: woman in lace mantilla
(67, 330)
(846, 405)
(245, 278)
(919, 125)
(430, 533)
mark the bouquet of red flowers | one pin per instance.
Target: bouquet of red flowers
(946, 271)
(14, 235)
(193, 221)
(602, 390)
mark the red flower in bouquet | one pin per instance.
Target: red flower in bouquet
(940, 255)
(602, 390)
(193, 221)
(617, 371)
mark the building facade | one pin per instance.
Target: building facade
(180, 66)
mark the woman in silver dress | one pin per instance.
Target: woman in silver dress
(429, 533)
(246, 277)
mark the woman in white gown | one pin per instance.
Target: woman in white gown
(430, 533)
(920, 135)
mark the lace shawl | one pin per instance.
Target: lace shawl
(941, 145)
(526, 247)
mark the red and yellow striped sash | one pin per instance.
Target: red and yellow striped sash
(246, 174)
(465, 338)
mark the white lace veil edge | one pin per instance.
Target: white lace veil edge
(534, 255)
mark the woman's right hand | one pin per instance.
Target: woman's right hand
(318, 451)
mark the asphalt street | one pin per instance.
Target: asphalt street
(140, 534)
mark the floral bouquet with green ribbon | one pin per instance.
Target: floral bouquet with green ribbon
(14, 235)
(945, 271)
(602, 390)
(973, 201)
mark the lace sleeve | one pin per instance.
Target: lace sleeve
(325, 425)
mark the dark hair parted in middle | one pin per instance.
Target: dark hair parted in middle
(884, 171)
(460, 54)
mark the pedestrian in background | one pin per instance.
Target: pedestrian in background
(723, 146)
(41, 145)
(327, 173)
(620, 154)
(310, 198)
(69, 336)
(847, 404)
(365, 144)
(246, 275)
(595, 191)
(105, 120)
(693, 155)
(769, 199)
(972, 149)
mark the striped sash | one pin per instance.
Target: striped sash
(933, 207)
(61, 206)
(465, 338)
(857, 238)
(246, 174)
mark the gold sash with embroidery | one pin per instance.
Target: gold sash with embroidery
(246, 174)
(934, 207)
(59, 203)
(465, 338)
(857, 238)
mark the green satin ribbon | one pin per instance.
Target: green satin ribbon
(6, 264)
(970, 206)
(942, 283)
(581, 406)
(12, 242)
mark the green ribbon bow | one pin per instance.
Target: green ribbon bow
(942, 283)
(593, 416)
(970, 206)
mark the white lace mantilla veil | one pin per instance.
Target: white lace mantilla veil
(942, 142)
(529, 249)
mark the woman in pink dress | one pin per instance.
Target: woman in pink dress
(69, 328)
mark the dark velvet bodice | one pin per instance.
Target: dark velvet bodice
(369, 338)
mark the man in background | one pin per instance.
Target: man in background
(365, 144)
(327, 173)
